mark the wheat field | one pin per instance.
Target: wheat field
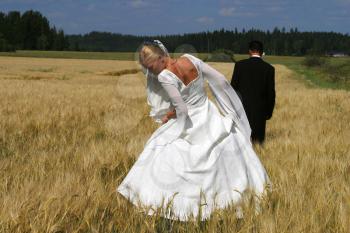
(71, 129)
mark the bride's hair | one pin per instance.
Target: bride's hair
(150, 51)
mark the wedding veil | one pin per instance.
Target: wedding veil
(157, 98)
(226, 97)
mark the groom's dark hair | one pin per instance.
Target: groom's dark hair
(256, 45)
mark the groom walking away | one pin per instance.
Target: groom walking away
(254, 80)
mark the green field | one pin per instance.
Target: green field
(71, 54)
(125, 56)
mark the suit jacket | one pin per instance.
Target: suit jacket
(254, 80)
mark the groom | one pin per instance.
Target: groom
(254, 80)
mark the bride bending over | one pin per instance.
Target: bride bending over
(201, 158)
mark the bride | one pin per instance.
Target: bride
(201, 158)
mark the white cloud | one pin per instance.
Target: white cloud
(275, 9)
(138, 3)
(227, 11)
(205, 20)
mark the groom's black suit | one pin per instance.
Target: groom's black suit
(254, 79)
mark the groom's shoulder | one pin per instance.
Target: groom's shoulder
(268, 64)
(243, 61)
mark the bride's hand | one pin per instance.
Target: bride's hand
(165, 119)
(169, 115)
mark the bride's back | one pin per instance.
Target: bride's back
(184, 69)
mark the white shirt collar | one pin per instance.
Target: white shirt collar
(255, 56)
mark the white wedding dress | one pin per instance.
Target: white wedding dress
(199, 161)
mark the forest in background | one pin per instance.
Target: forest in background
(276, 42)
(29, 31)
(32, 31)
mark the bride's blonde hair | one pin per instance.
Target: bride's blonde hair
(150, 52)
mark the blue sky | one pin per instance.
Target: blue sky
(155, 17)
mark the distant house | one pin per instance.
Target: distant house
(337, 54)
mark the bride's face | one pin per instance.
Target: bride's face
(155, 65)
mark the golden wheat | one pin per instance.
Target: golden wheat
(71, 129)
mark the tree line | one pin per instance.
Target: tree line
(276, 42)
(29, 31)
(32, 31)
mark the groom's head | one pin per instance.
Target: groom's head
(256, 47)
